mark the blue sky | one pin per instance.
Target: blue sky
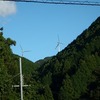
(35, 27)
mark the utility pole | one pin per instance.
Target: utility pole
(21, 75)
(21, 78)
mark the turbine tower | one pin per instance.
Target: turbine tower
(58, 44)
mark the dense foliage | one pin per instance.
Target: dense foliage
(73, 74)
(7, 68)
(9, 72)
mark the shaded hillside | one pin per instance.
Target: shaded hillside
(73, 74)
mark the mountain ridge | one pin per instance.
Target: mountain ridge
(70, 61)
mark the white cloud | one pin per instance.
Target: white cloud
(7, 8)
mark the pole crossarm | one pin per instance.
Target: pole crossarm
(19, 85)
(66, 2)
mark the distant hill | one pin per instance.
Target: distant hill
(42, 61)
(74, 73)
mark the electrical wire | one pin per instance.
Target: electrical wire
(66, 2)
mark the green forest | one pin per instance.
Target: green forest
(72, 74)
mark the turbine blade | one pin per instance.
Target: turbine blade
(57, 46)
(27, 51)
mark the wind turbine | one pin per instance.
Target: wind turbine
(58, 44)
(23, 51)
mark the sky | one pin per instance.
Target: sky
(36, 27)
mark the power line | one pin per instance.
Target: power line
(66, 2)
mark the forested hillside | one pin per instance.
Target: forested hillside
(73, 74)
(9, 71)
